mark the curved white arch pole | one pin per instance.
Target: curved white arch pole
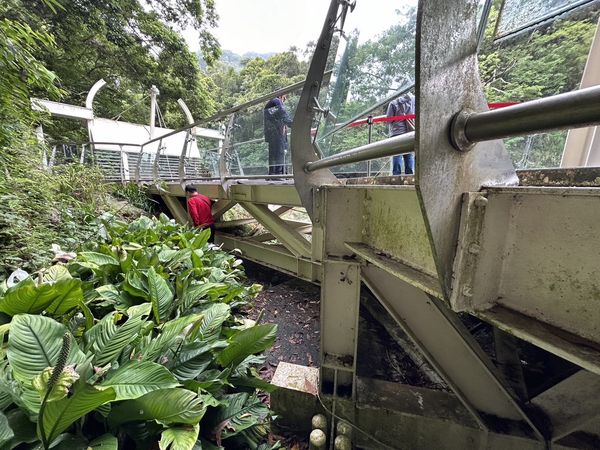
(186, 111)
(89, 100)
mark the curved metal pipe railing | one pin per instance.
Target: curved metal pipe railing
(225, 148)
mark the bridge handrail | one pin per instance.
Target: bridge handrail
(234, 109)
(575, 109)
(369, 110)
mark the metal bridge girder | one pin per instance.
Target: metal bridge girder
(571, 404)
(449, 348)
(527, 262)
(285, 233)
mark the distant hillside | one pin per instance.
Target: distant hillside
(234, 59)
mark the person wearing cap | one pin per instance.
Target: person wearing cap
(276, 121)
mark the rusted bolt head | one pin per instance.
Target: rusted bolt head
(474, 249)
(481, 201)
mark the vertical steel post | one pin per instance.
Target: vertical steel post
(153, 94)
(370, 123)
(184, 151)
(121, 167)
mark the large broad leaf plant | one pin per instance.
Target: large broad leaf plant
(133, 344)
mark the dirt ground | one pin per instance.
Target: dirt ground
(293, 305)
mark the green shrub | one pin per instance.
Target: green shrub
(134, 344)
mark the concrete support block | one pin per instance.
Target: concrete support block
(295, 400)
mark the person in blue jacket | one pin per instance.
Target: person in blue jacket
(402, 106)
(276, 121)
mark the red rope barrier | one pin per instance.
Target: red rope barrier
(379, 119)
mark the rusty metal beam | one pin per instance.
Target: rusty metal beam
(274, 256)
(285, 233)
(450, 349)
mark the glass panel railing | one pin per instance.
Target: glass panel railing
(535, 64)
(370, 66)
(516, 15)
(249, 155)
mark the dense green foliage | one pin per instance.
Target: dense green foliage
(536, 64)
(129, 46)
(40, 208)
(133, 343)
(81, 42)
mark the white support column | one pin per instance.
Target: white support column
(582, 148)
(153, 94)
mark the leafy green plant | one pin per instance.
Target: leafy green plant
(134, 344)
(135, 195)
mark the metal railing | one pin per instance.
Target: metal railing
(575, 109)
(564, 111)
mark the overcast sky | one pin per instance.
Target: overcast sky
(275, 25)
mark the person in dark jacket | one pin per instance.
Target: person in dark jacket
(276, 121)
(402, 106)
(200, 210)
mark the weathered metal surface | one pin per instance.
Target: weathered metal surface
(390, 415)
(274, 256)
(285, 233)
(389, 223)
(340, 301)
(569, 346)
(571, 404)
(405, 417)
(301, 145)
(266, 194)
(405, 273)
(450, 349)
(448, 82)
(540, 247)
(392, 223)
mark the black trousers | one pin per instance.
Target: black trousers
(276, 157)
(211, 239)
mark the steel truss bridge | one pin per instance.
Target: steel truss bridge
(467, 236)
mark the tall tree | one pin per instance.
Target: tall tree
(129, 46)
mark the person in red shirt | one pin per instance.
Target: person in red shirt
(200, 210)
